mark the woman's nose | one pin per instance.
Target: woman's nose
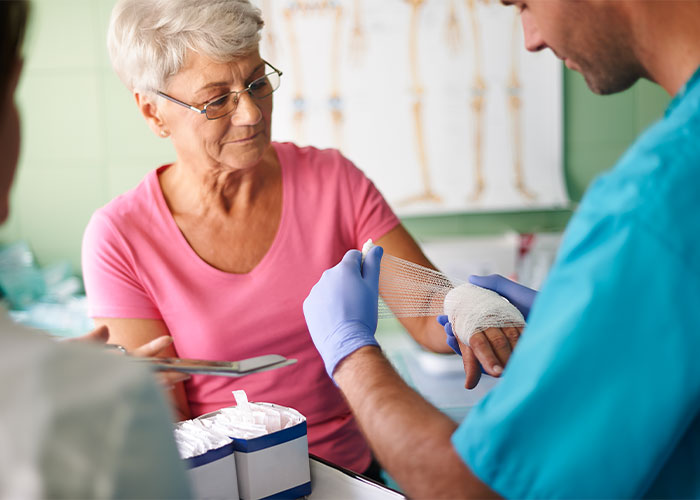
(247, 111)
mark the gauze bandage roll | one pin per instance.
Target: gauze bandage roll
(408, 290)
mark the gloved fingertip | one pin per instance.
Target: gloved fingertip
(353, 257)
(476, 279)
(372, 264)
(442, 319)
(376, 252)
(452, 343)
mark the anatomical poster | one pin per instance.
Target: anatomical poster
(437, 101)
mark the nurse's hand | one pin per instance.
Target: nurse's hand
(488, 351)
(520, 296)
(341, 309)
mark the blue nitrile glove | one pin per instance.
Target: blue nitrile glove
(341, 309)
(520, 296)
(451, 340)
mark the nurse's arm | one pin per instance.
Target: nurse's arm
(133, 334)
(410, 437)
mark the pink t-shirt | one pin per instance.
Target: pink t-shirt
(137, 264)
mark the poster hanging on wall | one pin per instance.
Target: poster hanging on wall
(437, 101)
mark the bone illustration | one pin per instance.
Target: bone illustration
(326, 10)
(417, 89)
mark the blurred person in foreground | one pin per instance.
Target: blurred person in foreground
(75, 422)
(600, 398)
(220, 248)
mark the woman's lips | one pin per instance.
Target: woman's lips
(245, 139)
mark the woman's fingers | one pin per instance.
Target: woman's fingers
(472, 368)
(149, 350)
(99, 335)
(494, 346)
(168, 380)
(513, 335)
(152, 348)
(500, 344)
(480, 343)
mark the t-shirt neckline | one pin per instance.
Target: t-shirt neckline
(185, 247)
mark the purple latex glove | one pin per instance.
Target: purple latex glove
(520, 296)
(341, 309)
(451, 340)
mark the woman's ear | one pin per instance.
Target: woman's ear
(149, 110)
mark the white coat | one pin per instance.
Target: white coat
(79, 422)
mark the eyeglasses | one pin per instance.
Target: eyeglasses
(259, 88)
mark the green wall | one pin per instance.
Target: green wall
(84, 141)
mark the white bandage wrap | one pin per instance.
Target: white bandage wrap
(369, 245)
(472, 309)
(244, 421)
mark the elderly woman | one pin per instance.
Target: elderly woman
(220, 248)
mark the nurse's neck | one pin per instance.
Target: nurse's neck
(667, 40)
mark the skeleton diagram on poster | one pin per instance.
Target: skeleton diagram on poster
(437, 101)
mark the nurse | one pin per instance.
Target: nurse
(601, 397)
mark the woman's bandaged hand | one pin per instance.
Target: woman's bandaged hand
(485, 328)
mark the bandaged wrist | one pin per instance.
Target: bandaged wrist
(472, 309)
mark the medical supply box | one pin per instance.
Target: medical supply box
(213, 474)
(274, 465)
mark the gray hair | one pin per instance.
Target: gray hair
(148, 40)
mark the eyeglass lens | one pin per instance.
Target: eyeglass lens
(258, 89)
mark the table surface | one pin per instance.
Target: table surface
(331, 481)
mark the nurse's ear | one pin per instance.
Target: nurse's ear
(14, 76)
(9, 136)
(148, 106)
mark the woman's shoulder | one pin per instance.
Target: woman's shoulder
(310, 155)
(134, 201)
(129, 209)
(315, 161)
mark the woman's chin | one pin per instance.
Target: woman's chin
(240, 162)
(241, 156)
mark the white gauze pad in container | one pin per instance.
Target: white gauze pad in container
(472, 309)
(194, 438)
(244, 421)
(250, 451)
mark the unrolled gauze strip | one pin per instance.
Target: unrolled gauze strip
(409, 290)
(472, 309)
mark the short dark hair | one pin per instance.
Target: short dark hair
(13, 24)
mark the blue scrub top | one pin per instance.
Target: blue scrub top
(601, 398)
